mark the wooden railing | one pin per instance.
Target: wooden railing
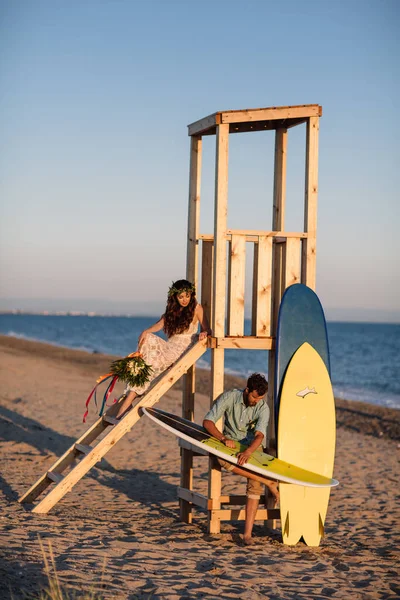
(276, 265)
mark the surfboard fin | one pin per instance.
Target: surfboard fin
(286, 527)
(321, 526)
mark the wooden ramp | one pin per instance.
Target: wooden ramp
(88, 455)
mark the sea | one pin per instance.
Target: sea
(365, 357)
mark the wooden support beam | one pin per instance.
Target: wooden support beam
(310, 204)
(253, 235)
(194, 498)
(203, 125)
(252, 118)
(187, 455)
(246, 342)
(270, 114)
(192, 260)
(194, 209)
(236, 284)
(239, 514)
(278, 224)
(219, 294)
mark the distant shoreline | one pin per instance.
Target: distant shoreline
(91, 314)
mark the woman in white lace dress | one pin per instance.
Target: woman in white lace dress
(180, 322)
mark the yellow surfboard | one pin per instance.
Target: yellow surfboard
(306, 438)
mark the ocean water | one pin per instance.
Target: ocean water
(365, 357)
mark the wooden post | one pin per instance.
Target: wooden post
(192, 275)
(308, 268)
(278, 224)
(219, 300)
(194, 208)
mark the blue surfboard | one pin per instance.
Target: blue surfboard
(300, 319)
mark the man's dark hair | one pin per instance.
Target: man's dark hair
(258, 383)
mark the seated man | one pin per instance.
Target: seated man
(246, 417)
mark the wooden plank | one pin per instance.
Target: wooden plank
(246, 343)
(194, 209)
(292, 264)
(247, 127)
(262, 282)
(237, 499)
(258, 118)
(239, 514)
(110, 420)
(83, 449)
(310, 204)
(254, 291)
(236, 285)
(193, 498)
(56, 477)
(253, 235)
(203, 125)
(124, 425)
(207, 278)
(270, 114)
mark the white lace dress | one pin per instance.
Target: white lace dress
(161, 354)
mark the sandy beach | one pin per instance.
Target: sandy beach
(118, 531)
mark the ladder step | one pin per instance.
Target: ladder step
(111, 420)
(56, 477)
(83, 448)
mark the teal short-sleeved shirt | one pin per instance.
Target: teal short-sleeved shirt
(240, 421)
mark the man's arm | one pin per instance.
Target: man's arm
(212, 430)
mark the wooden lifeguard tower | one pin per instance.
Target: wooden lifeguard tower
(281, 258)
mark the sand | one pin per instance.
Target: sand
(118, 531)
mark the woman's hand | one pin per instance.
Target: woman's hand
(203, 335)
(142, 338)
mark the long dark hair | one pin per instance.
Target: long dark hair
(176, 317)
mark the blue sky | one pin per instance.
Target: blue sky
(94, 153)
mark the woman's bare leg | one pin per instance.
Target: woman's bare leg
(126, 404)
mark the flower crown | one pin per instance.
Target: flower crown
(173, 290)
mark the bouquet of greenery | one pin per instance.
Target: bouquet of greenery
(132, 369)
